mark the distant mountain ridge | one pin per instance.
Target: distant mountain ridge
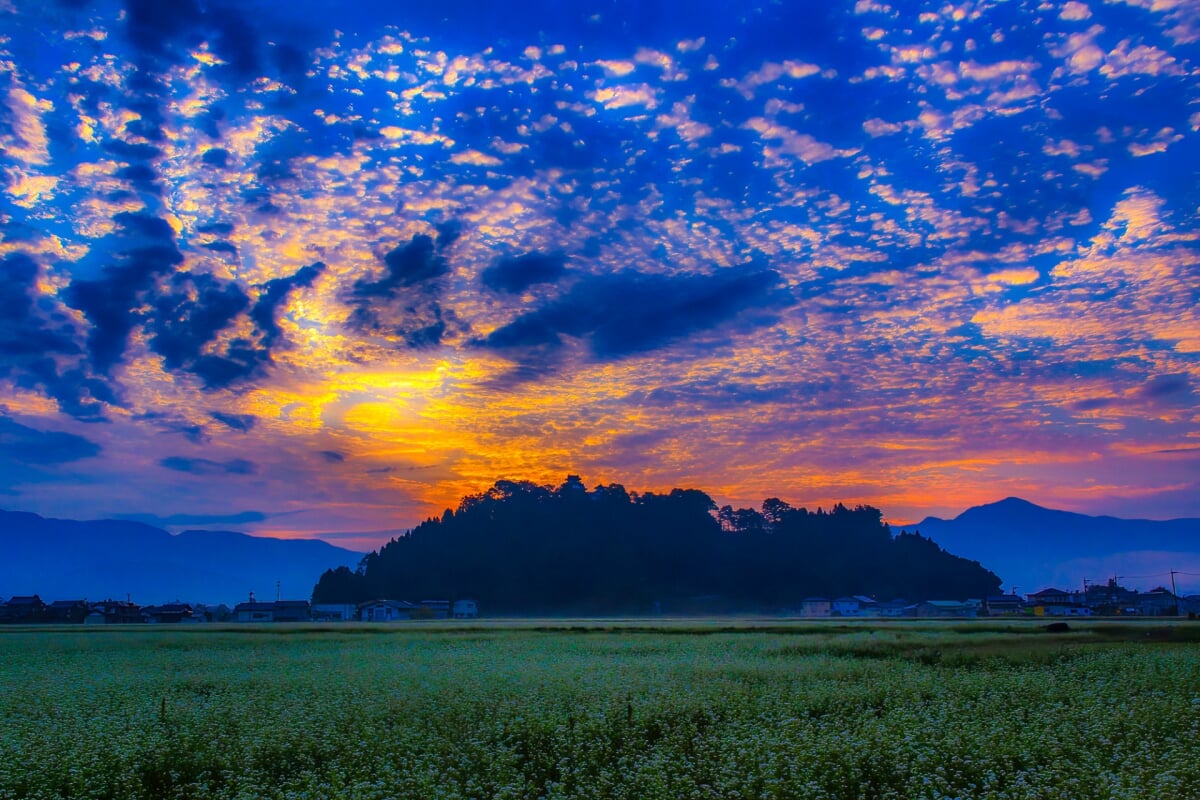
(68, 559)
(1034, 547)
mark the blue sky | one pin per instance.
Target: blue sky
(326, 272)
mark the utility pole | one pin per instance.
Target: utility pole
(1174, 593)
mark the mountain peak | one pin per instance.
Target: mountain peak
(1009, 506)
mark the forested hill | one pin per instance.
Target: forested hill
(525, 548)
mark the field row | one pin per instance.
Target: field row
(601, 710)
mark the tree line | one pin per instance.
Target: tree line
(525, 548)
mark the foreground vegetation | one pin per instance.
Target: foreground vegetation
(596, 710)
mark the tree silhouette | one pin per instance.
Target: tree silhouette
(521, 547)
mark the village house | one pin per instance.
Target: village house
(867, 606)
(334, 612)
(202, 612)
(66, 612)
(1004, 605)
(1157, 603)
(892, 608)
(465, 609)
(1110, 598)
(168, 614)
(944, 608)
(1053, 597)
(22, 609)
(276, 611)
(856, 606)
(292, 611)
(816, 607)
(1058, 603)
(844, 607)
(114, 612)
(253, 611)
(432, 609)
(385, 610)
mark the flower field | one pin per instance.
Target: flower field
(589, 710)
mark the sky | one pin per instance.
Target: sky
(303, 272)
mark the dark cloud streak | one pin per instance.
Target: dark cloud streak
(237, 422)
(182, 326)
(27, 445)
(145, 251)
(407, 265)
(273, 295)
(204, 466)
(515, 275)
(404, 301)
(631, 312)
(32, 344)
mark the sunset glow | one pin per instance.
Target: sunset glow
(304, 273)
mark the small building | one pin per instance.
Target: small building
(22, 609)
(276, 611)
(385, 610)
(1157, 603)
(292, 611)
(1065, 610)
(66, 612)
(168, 614)
(892, 608)
(432, 609)
(253, 611)
(334, 612)
(1052, 597)
(114, 612)
(944, 608)
(867, 606)
(203, 612)
(1110, 598)
(1004, 605)
(858, 605)
(813, 607)
(844, 607)
(1058, 603)
(465, 609)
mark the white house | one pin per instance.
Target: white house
(464, 609)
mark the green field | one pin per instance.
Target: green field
(602, 710)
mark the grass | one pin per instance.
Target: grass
(562, 709)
